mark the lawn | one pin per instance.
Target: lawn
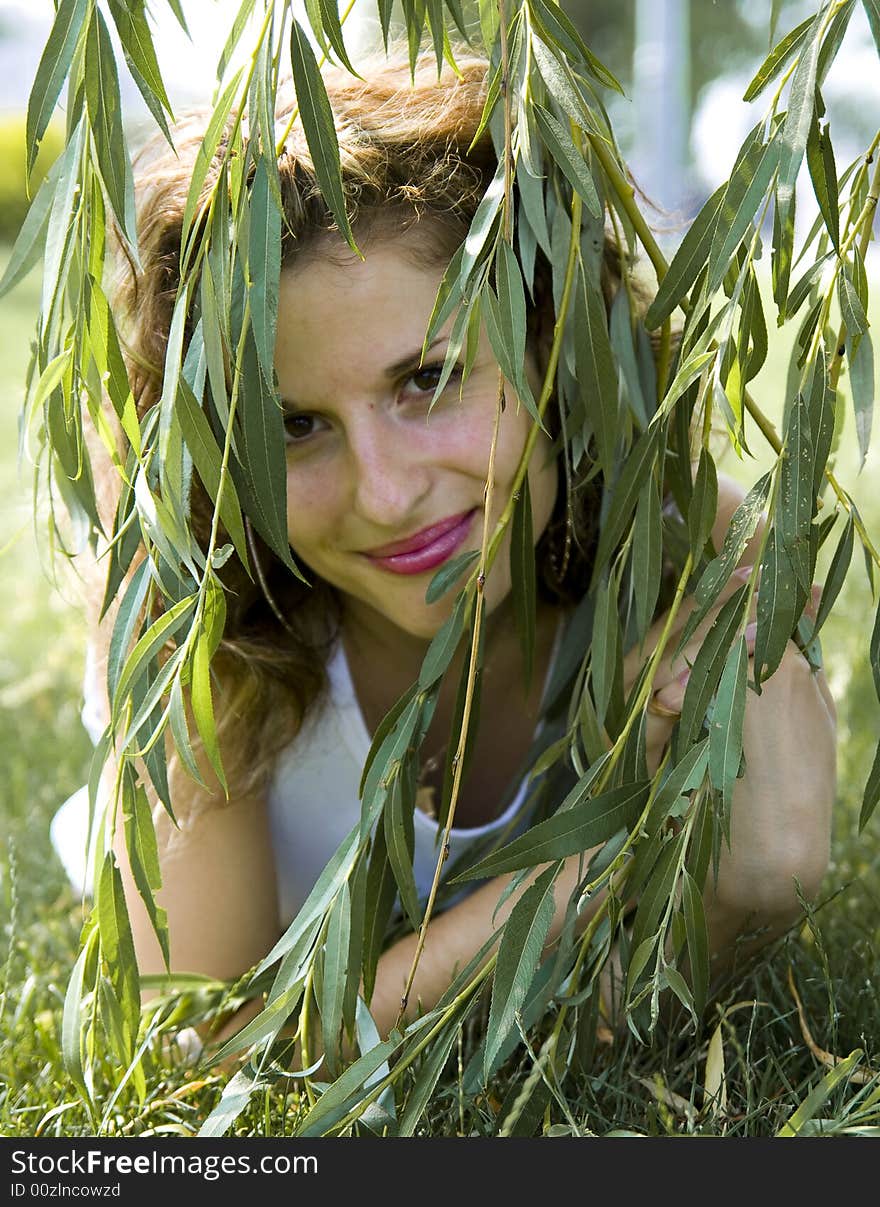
(763, 1060)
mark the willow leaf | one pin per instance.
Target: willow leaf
(794, 505)
(522, 943)
(624, 496)
(28, 246)
(161, 631)
(72, 1033)
(818, 1095)
(707, 668)
(400, 843)
(687, 261)
(620, 333)
(796, 127)
(742, 198)
(703, 506)
(596, 372)
(871, 795)
(335, 975)
(347, 1089)
(569, 831)
(264, 265)
(137, 45)
(647, 556)
(143, 854)
(861, 380)
(316, 116)
(117, 947)
(560, 83)
(236, 1095)
(777, 607)
(823, 173)
(740, 530)
(522, 572)
(52, 70)
(872, 12)
(128, 617)
(203, 704)
(204, 159)
(569, 159)
(266, 1026)
(447, 577)
(443, 646)
(603, 661)
(501, 331)
(562, 32)
(104, 104)
(776, 59)
(851, 308)
(697, 940)
(725, 730)
(262, 482)
(429, 1071)
(380, 894)
(653, 900)
(837, 572)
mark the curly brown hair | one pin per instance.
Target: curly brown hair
(407, 162)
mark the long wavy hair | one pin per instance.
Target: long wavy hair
(407, 161)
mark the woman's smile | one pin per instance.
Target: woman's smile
(382, 487)
(427, 549)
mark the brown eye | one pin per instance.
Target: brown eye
(425, 379)
(298, 427)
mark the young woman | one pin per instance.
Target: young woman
(380, 495)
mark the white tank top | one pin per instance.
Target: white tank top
(313, 798)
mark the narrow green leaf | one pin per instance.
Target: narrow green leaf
(647, 557)
(500, 330)
(52, 70)
(137, 46)
(235, 1098)
(443, 646)
(776, 59)
(837, 572)
(596, 372)
(624, 496)
(823, 173)
(72, 1031)
(872, 12)
(400, 842)
(560, 83)
(569, 159)
(704, 505)
(264, 266)
(819, 1094)
(28, 246)
(346, 1090)
(620, 333)
(861, 380)
(603, 660)
(429, 1071)
(143, 854)
(795, 504)
(522, 574)
(746, 189)
(380, 894)
(551, 19)
(777, 607)
(204, 159)
(851, 308)
(447, 577)
(697, 940)
(104, 104)
(335, 977)
(202, 701)
(871, 795)
(706, 671)
(117, 947)
(725, 730)
(796, 127)
(687, 261)
(148, 646)
(572, 829)
(522, 943)
(317, 121)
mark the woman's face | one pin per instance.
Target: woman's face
(380, 493)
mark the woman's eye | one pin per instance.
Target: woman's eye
(299, 427)
(425, 379)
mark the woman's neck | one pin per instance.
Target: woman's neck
(385, 660)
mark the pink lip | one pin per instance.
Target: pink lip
(425, 549)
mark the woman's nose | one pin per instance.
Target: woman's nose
(391, 477)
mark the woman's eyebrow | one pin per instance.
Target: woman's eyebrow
(413, 360)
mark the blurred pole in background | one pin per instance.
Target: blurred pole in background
(661, 96)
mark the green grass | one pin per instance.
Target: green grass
(624, 1088)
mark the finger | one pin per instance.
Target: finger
(670, 697)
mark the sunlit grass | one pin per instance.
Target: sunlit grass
(768, 1070)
